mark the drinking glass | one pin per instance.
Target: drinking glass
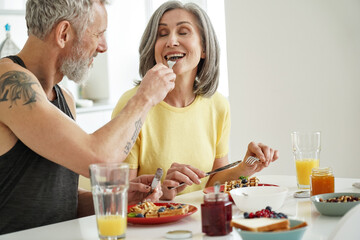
(306, 148)
(109, 184)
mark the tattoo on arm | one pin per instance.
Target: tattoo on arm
(129, 144)
(16, 85)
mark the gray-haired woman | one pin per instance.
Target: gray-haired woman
(190, 129)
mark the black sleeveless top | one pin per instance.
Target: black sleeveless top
(35, 191)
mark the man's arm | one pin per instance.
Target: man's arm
(25, 110)
(85, 203)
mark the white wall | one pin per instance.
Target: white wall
(295, 65)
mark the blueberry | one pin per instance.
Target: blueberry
(179, 207)
(139, 215)
(171, 207)
(237, 185)
(244, 185)
(246, 215)
(244, 181)
(162, 209)
(268, 208)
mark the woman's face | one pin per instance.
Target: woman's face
(178, 38)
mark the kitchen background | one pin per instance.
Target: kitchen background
(286, 65)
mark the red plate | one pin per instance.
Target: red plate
(160, 220)
(211, 189)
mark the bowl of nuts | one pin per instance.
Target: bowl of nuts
(335, 204)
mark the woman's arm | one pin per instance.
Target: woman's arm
(261, 151)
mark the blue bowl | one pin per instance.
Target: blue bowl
(334, 208)
(295, 234)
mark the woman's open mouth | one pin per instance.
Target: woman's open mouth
(174, 57)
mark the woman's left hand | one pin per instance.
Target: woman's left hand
(265, 153)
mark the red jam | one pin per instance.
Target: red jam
(216, 214)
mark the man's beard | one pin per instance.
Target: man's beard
(77, 66)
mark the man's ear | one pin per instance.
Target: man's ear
(63, 33)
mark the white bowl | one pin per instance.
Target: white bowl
(259, 198)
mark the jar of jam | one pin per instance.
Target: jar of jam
(322, 181)
(216, 214)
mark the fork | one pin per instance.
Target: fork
(251, 160)
(171, 63)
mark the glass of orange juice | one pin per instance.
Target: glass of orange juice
(109, 184)
(306, 148)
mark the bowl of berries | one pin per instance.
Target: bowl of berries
(267, 224)
(254, 198)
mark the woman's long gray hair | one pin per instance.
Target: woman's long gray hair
(43, 15)
(207, 78)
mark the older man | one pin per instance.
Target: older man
(42, 149)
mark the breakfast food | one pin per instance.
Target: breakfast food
(265, 213)
(242, 182)
(341, 199)
(151, 210)
(261, 224)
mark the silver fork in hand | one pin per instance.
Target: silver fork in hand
(251, 160)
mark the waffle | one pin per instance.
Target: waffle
(150, 210)
(251, 182)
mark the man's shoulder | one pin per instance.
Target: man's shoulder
(7, 67)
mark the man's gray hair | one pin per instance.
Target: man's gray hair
(207, 80)
(42, 15)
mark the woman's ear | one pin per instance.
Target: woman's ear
(63, 33)
(203, 54)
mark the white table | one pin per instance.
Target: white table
(320, 227)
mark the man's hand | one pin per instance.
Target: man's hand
(157, 82)
(139, 189)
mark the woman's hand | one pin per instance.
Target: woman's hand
(179, 173)
(139, 189)
(266, 155)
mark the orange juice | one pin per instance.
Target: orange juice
(303, 171)
(113, 225)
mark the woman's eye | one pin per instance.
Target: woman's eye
(162, 33)
(183, 31)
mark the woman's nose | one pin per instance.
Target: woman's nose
(172, 40)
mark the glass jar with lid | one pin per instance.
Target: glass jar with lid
(322, 181)
(216, 214)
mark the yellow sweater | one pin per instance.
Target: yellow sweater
(194, 135)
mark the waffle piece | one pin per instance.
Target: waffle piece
(251, 182)
(150, 210)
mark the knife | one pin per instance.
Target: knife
(223, 168)
(156, 180)
(213, 172)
